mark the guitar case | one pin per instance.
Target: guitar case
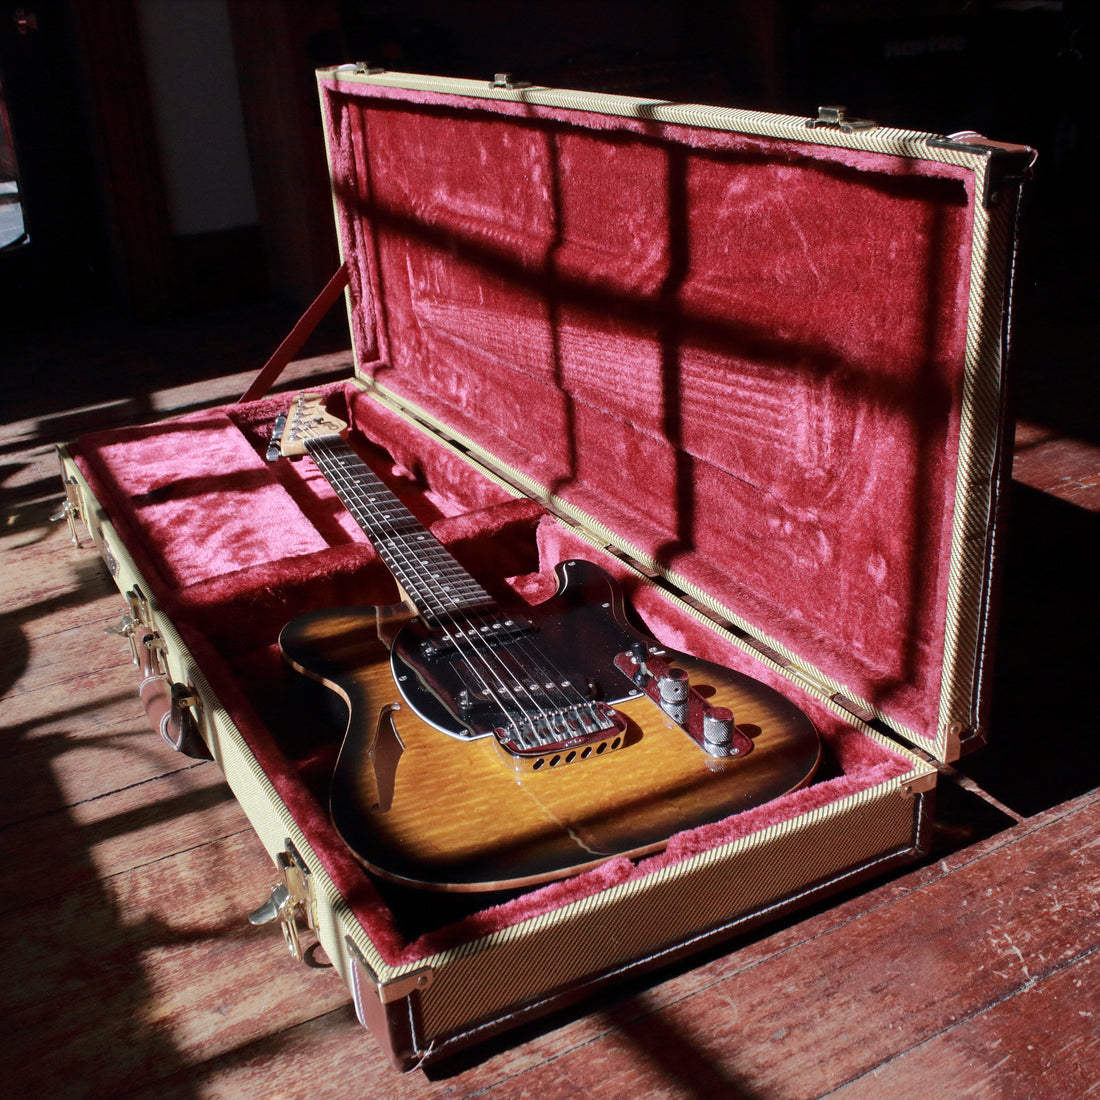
(752, 366)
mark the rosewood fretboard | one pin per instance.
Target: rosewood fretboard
(431, 578)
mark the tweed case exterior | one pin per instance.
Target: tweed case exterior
(423, 1010)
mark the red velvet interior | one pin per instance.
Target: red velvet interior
(710, 342)
(744, 355)
(220, 575)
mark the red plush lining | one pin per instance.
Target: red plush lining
(707, 341)
(230, 618)
(743, 355)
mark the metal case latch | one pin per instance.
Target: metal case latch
(291, 901)
(360, 68)
(136, 626)
(837, 118)
(125, 628)
(69, 511)
(173, 709)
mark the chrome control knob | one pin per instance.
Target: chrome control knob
(673, 686)
(718, 731)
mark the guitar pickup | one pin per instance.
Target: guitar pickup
(449, 635)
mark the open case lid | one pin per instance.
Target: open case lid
(759, 355)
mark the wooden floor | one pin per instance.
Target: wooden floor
(128, 870)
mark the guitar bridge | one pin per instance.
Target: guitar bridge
(556, 740)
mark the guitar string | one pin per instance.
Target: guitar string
(331, 447)
(553, 682)
(536, 661)
(395, 548)
(446, 604)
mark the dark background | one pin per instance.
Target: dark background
(109, 262)
(93, 181)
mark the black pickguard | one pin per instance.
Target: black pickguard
(578, 631)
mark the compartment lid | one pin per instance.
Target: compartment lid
(761, 355)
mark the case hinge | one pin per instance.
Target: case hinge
(837, 119)
(508, 83)
(953, 739)
(1006, 165)
(291, 901)
(921, 785)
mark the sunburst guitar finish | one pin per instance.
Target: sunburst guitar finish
(488, 748)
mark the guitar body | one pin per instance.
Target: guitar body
(421, 798)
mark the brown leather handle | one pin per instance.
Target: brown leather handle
(164, 708)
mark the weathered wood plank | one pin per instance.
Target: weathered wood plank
(119, 983)
(120, 831)
(40, 561)
(73, 734)
(327, 1058)
(65, 761)
(826, 1002)
(52, 589)
(1042, 1041)
(1058, 465)
(75, 665)
(80, 595)
(34, 437)
(39, 542)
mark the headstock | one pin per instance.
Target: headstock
(308, 419)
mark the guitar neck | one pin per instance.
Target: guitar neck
(435, 583)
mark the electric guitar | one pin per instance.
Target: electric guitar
(491, 747)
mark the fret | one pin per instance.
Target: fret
(424, 568)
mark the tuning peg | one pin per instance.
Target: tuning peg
(274, 450)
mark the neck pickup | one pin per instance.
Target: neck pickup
(459, 635)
